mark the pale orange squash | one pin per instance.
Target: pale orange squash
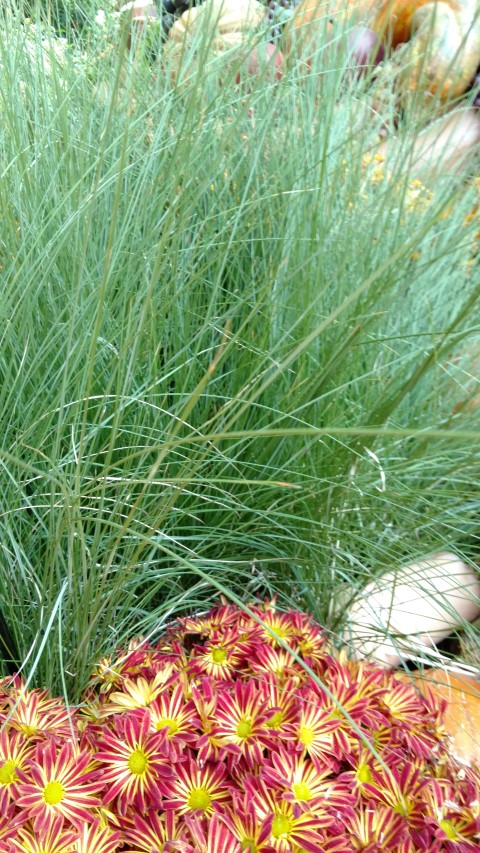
(462, 715)
(313, 17)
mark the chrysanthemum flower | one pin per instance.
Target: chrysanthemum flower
(282, 710)
(307, 784)
(243, 821)
(205, 698)
(289, 828)
(218, 839)
(14, 752)
(363, 762)
(171, 711)
(312, 644)
(56, 839)
(133, 763)
(197, 789)
(279, 662)
(218, 619)
(37, 715)
(316, 728)
(94, 838)
(410, 711)
(221, 657)
(400, 789)
(139, 658)
(241, 723)
(58, 783)
(153, 831)
(456, 824)
(138, 693)
(277, 625)
(379, 828)
(347, 698)
(10, 822)
(111, 670)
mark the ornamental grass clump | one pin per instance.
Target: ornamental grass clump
(219, 739)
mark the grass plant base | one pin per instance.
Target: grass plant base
(239, 730)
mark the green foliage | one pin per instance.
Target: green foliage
(230, 358)
(66, 16)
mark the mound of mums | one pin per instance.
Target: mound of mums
(240, 730)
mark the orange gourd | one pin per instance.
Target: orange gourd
(462, 714)
(443, 51)
(394, 18)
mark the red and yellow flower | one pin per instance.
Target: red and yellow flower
(153, 831)
(240, 723)
(289, 827)
(217, 839)
(282, 711)
(307, 784)
(177, 715)
(379, 828)
(15, 749)
(278, 626)
(37, 715)
(95, 838)
(139, 692)
(252, 832)
(279, 662)
(400, 787)
(56, 839)
(316, 729)
(58, 783)
(221, 657)
(133, 764)
(197, 788)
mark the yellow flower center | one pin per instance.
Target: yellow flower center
(276, 721)
(280, 632)
(302, 791)
(28, 730)
(449, 829)
(199, 798)
(281, 826)
(249, 842)
(219, 656)
(138, 762)
(172, 725)
(307, 735)
(364, 774)
(53, 793)
(244, 728)
(402, 807)
(7, 773)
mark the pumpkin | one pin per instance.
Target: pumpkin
(462, 713)
(312, 19)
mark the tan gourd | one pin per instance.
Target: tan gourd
(443, 148)
(404, 612)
